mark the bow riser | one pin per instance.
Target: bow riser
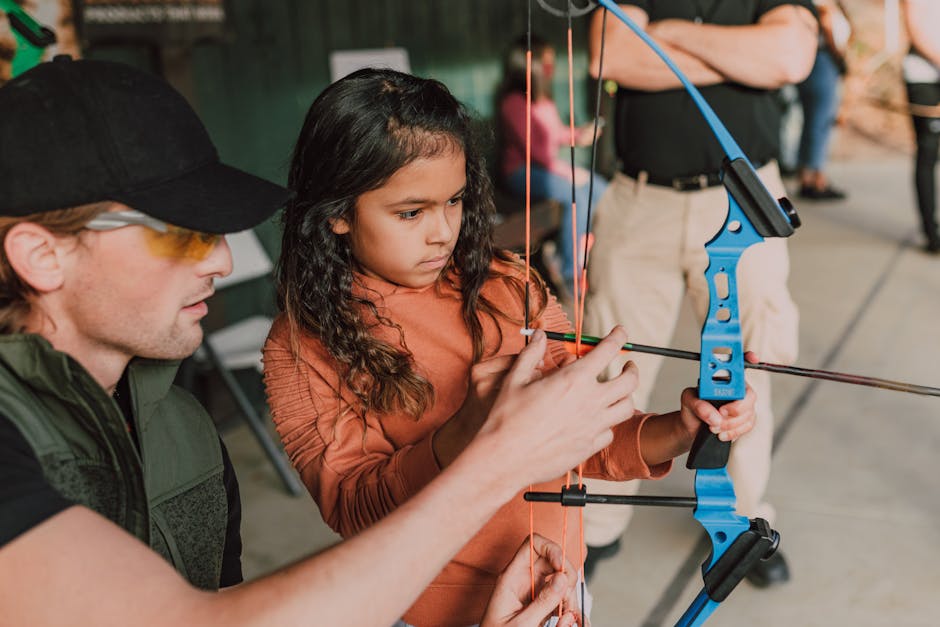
(721, 369)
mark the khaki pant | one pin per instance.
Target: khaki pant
(648, 250)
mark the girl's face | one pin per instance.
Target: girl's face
(405, 231)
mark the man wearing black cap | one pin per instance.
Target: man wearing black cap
(113, 203)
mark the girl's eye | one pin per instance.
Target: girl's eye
(409, 215)
(453, 202)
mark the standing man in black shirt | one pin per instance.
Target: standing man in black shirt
(117, 502)
(667, 201)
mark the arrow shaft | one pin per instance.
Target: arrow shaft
(589, 342)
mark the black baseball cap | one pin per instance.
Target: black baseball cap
(74, 132)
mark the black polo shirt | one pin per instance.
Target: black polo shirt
(663, 132)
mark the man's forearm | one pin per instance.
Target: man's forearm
(643, 70)
(111, 578)
(631, 63)
(778, 50)
(416, 540)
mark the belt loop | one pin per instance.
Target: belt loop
(703, 181)
(641, 178)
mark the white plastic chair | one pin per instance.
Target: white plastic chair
(238, 346)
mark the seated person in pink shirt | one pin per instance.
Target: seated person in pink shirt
(551, 174)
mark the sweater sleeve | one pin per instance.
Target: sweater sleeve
(622, 460)
(354, 473)
(555, 319)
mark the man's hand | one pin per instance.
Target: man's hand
(541, 427)
(779, 49)
(631, 63)
(511, 604)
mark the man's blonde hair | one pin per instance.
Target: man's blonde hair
(14, 292)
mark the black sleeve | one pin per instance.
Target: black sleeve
(26, 498)
(232, 551)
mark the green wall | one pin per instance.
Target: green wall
(253, 90)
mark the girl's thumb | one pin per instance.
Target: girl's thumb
(525, 369)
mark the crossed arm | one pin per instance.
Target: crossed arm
(779, 49)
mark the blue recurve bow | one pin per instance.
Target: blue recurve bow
(737, 543)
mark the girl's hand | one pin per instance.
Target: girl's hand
(667, 436)
(485, 380)
(511, 604)
(729, 422)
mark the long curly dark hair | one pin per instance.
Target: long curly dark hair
(357, 134)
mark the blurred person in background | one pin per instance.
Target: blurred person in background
(551, 173)
(921, 68)
(819, 95)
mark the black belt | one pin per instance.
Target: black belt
(681, 183)
(678, 183)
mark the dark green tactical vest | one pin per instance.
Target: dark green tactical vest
(170, 494)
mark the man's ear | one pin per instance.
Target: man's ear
(35, 255)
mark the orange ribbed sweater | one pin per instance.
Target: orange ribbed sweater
(360, 468)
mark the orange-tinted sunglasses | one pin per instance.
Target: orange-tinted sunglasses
(163, 239)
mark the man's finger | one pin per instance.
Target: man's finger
(602, 354)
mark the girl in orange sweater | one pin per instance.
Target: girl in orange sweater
(399, 319)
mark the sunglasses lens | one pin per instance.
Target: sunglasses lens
(181, 243)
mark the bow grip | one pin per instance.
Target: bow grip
(708, 452)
